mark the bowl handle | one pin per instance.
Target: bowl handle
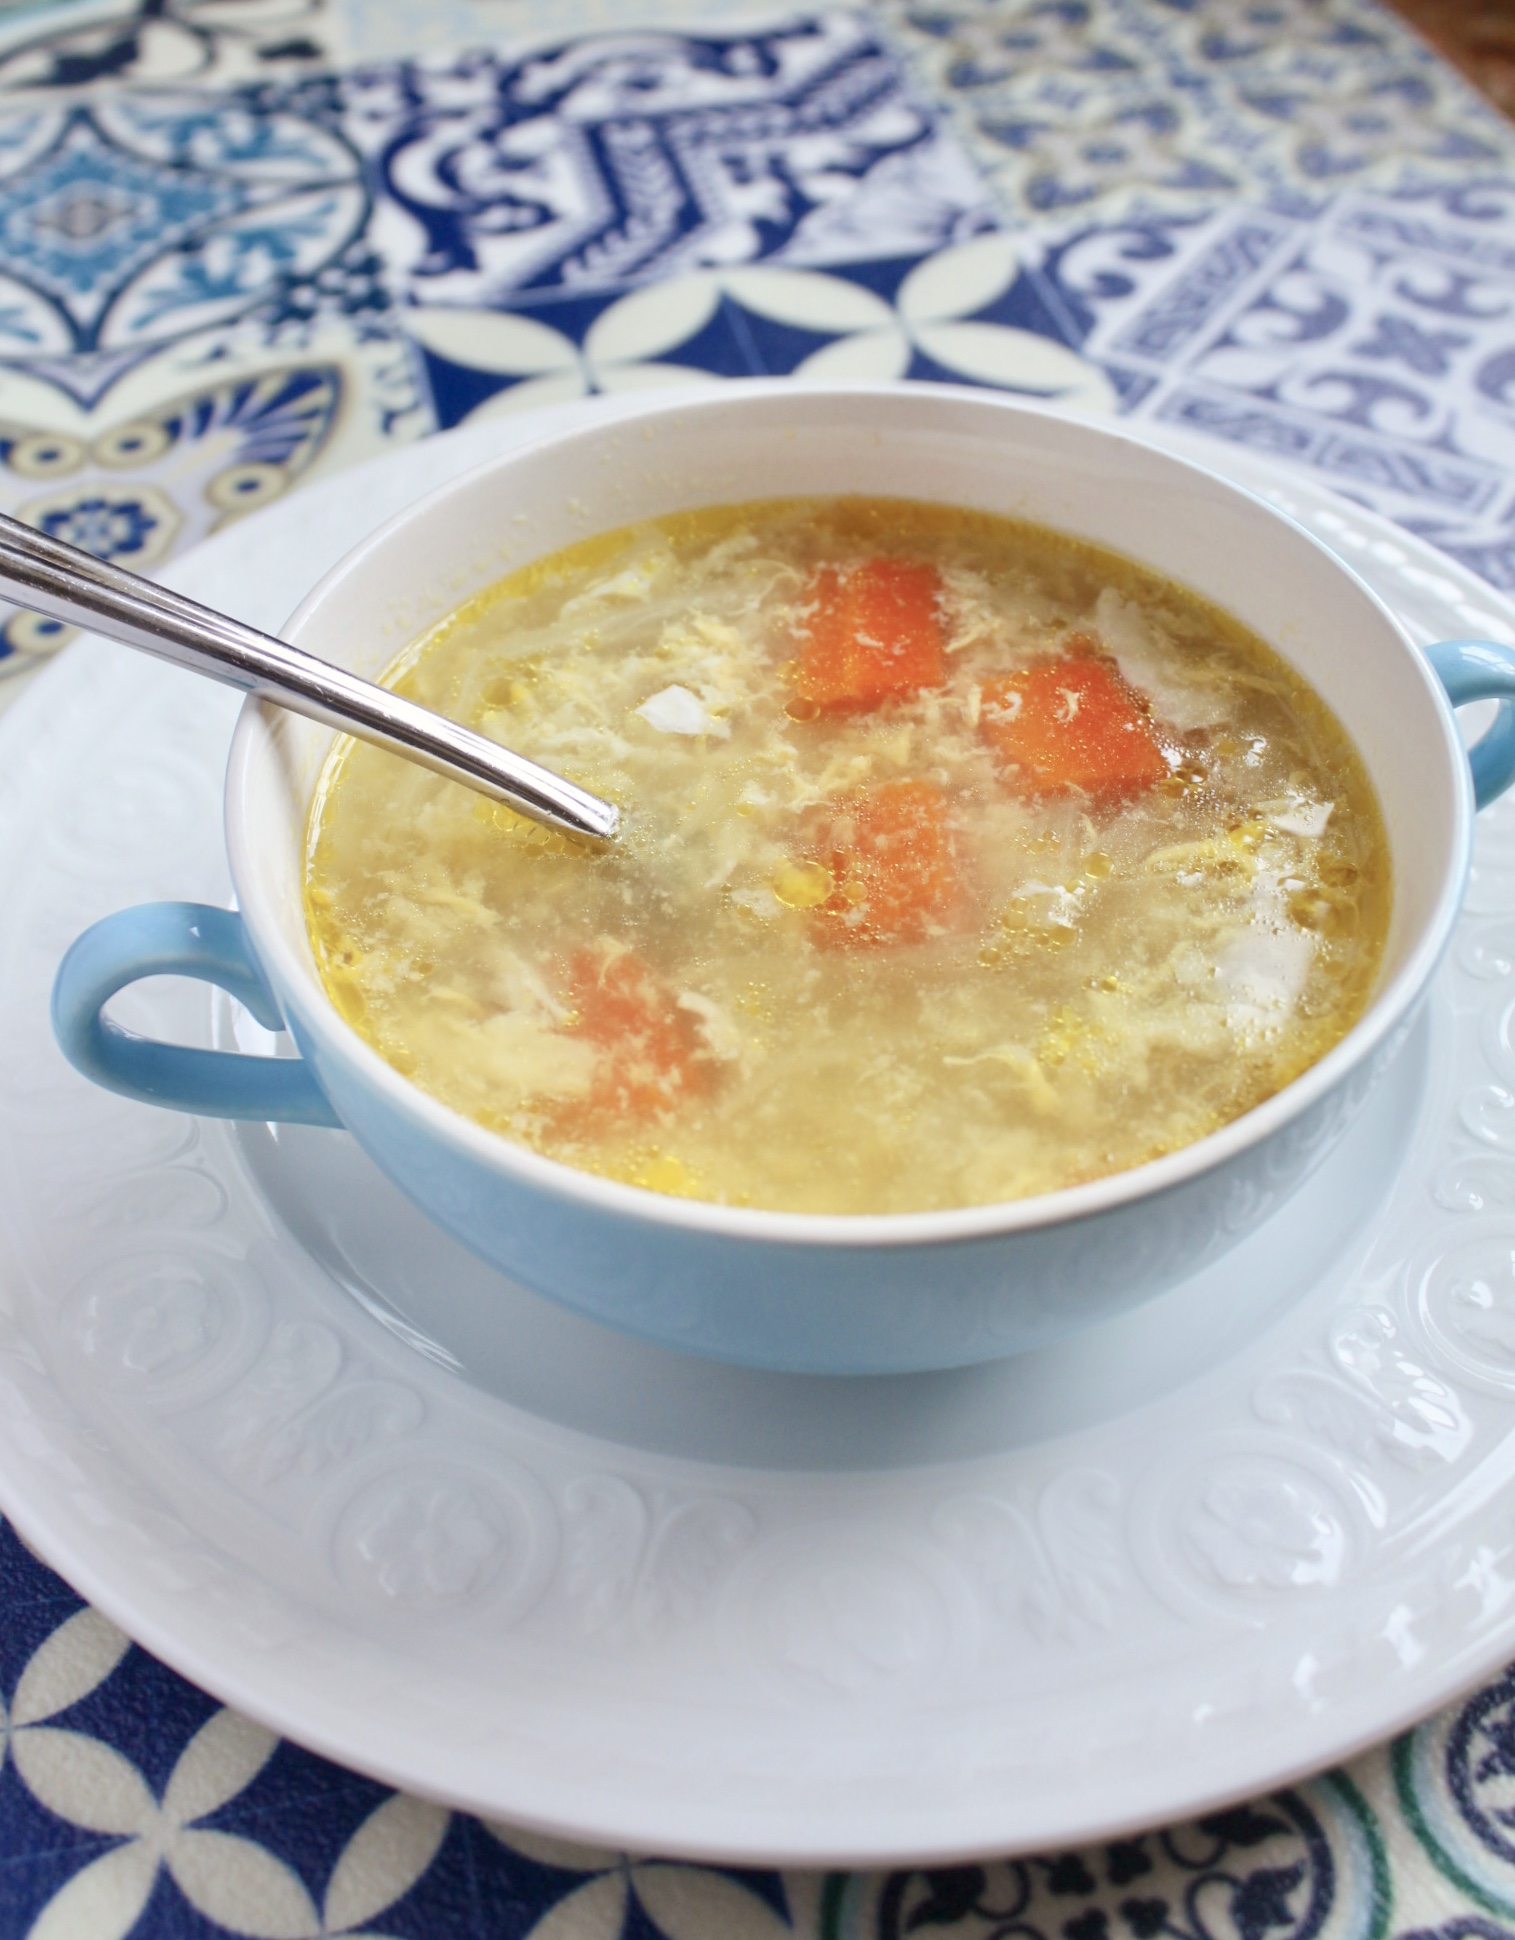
(1481, 670)
(178, 940)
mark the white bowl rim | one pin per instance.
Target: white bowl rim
(253, 741)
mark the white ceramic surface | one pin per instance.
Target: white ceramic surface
(621, 1595)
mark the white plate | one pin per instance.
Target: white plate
(617, 1595)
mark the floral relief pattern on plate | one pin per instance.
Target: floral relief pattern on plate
(1058, 1564)
(1466, 1302)
(1367, 1398)
(638, 1564)
(436, 1536)
(170, 1321)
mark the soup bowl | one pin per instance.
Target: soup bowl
(808, 1292)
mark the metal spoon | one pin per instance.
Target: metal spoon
(63, 583)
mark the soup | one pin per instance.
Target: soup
(962, 861)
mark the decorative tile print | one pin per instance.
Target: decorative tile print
(1300, 1865)
(1066, 110)
(222, 276)
(414, 28)
(190, 439)
(636, 157)
(968, 315)
(1373, 344)
(143, 217)
(131, 1804)
(128, 223)
(264, 431)
(1455, 1780)
(1123, 108)
(83, 49)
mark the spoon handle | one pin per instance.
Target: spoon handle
(59, 581)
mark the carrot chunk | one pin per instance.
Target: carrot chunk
(873, 632)
(649, 1048)
(1072, 723)
(893, 864)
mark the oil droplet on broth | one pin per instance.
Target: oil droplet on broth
(662, 1172)
(802, 885)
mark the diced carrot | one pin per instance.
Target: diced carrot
(893, 864)
(1072, 723)
(873, 632)
(649, 1049)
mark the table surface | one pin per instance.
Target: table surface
(245, 243)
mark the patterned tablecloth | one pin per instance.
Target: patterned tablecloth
(244, 243)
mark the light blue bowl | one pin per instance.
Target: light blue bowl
(804, 1292)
